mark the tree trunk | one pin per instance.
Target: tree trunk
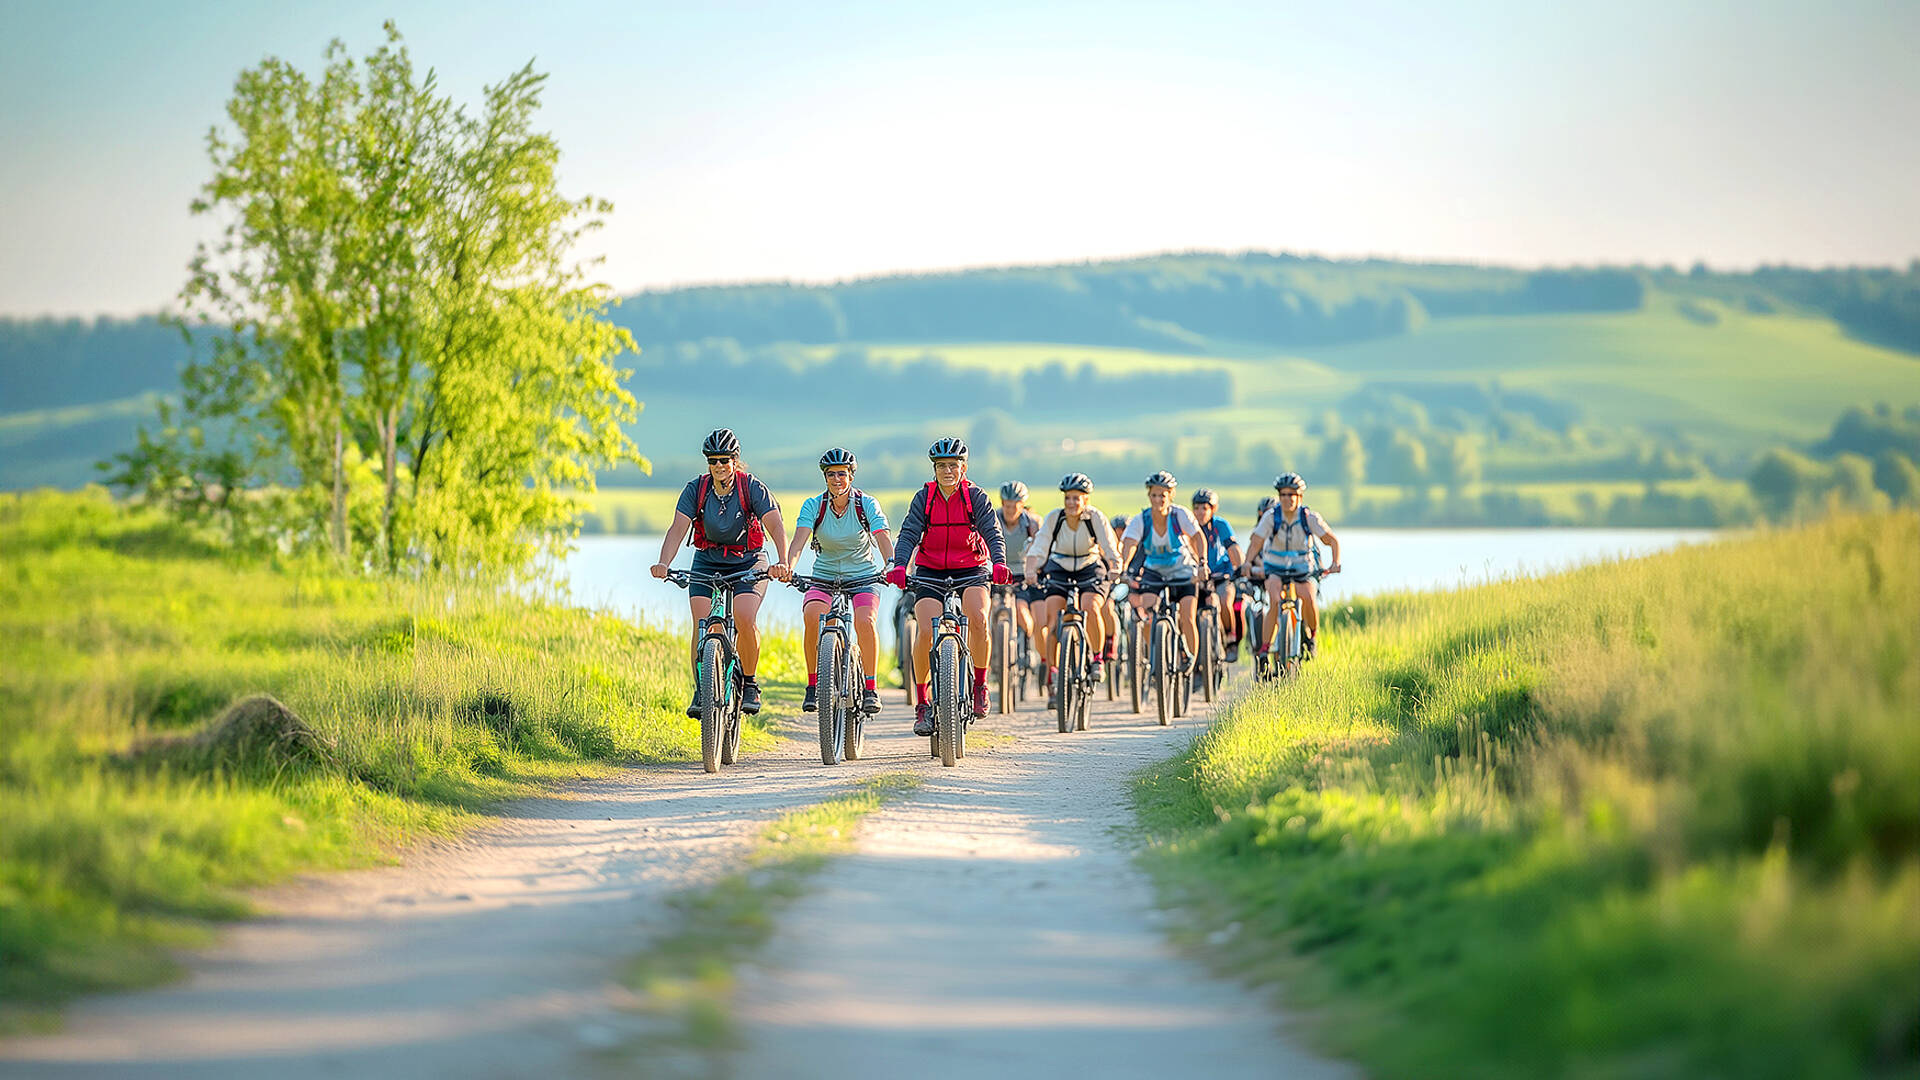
(340, 490)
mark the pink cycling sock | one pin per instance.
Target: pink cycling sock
(813, 678)
(979, 676)
(869, 682)
(920, 693)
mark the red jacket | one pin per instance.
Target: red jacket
(958, 532)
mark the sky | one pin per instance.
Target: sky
(819, 141)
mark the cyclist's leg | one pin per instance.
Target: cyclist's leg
(810, 633)
(1023, 617)
(1189, 629)
(1276, 593)
(866, 626)
(924, 611)
(1043, 625)
(1096, 624)
(979, 632)
(746, 606)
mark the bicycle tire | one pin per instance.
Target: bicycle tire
(713, 708)
(947, 703)
(905, 630)
(1003, 658)
(1066, 681)
(1161, 661)
(827, 696)
(1132, 645)
(854, 732)
(1209, 625)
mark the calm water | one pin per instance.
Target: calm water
(611, 571)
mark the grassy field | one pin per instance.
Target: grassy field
(1656, 818)
(430, 702)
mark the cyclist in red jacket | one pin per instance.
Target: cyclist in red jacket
(950, 533)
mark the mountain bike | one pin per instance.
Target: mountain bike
(1072, 681)
(1126, 651)
(1009, 675)
(1283, 660)
(904, 629)
(951, 692)
(717, 677)
(1166, 655)
(1255, 615)
(1211, 664)
(843, 727)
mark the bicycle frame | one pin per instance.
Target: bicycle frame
(720, 728)
(1072, 714)
(951, 717)
(841, 721)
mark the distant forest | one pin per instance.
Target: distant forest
(1185, 303)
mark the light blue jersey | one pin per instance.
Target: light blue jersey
(843, 548)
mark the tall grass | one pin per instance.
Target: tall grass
(1659, 817)
(433, 699)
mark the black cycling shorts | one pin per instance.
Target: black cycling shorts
(1029, 594)
(1151, 581)
(930, 584)
(708, 561)
(1057, 581)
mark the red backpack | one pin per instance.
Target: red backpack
(756, 534)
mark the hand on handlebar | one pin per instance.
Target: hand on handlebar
(1334, 569)
(780, 572)
(897, 577)
(1001, 575)
(659, 570)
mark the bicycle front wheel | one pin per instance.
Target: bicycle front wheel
(714, 686)
(827, 693)
(1209, 659)
(1066, 681)
(948, 703)
(1162, 663)
(1003, 658)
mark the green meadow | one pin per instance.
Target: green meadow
(1653, 818)
(426, 701)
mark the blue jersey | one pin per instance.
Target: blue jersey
(1219, 536)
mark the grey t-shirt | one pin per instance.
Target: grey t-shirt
(727, 519)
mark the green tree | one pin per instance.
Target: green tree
(1851, 480)
(1397, 456)
(1343, 462)
(1782, 478)
(393, 302)
(1454, 460)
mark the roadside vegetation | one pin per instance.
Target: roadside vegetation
(1652, 818)
(414, 703)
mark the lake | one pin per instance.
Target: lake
(611, 571)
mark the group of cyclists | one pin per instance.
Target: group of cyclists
(952, 533)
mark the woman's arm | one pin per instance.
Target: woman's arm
(670, 544)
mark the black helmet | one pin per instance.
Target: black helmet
(1163, 478)
(721, 441)
(1266, 504)
(1289, 480)
(1013, 491)
(838, 456)
(1205, 497)
(1077, 481)
(1119, 523)
(950, 446)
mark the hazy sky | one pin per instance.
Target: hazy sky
(818, 140)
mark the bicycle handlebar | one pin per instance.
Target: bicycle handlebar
(803, 582)
(687, 578)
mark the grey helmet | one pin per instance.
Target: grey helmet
(836, 457)
(1290, 480)
(1077, 481)
(721, 441)
(1013, 491)
(1163, 478)
(949, 446)
(1266, 504)
(1205, 497)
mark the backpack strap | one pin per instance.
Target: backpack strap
(856, 496)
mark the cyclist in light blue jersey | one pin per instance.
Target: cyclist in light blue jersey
(845, 528)
(1284, 548)
(1174, 553)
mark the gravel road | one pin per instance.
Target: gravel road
(991, 924)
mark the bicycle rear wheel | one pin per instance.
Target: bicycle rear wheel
(1162, 663)
(736, 722)
(948, 725)
(713, 665)
(1066, 680)
(1209, 627)
(1134, 670)
(1003, 658)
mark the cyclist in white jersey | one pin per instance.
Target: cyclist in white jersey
(1282, 548)
(1174, 551)
(1074, 553)
(1019, 525)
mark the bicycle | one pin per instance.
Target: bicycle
(1073, 662)
(717, 677)
(1287, 635)
(843, 726)
(951, 692)
(1126, 652)
(1211, 663)
(1166, 656)
(904, 630)
(1008, 676)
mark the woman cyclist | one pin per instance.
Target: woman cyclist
(950, 532)
(1019, 526)
(730, 514)
(1281, 549)
(1223, 557)
(1174, 551)
(845, 527)
(1073, 556)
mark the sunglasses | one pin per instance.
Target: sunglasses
(719, 461)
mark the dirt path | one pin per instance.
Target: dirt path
(991, 923)
(994, 925)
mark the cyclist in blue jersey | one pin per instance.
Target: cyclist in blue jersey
(1283, 547)
(1174, 551)
(1223, 557)
(845, 528)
